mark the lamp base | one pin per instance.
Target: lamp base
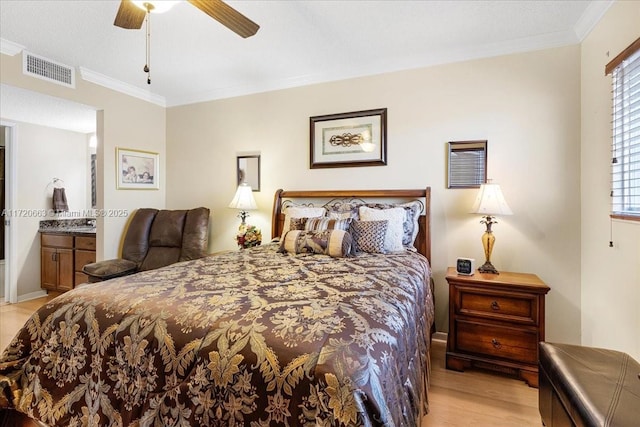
(487, 267)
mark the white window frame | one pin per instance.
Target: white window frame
(625, 142)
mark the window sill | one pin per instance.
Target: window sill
(626, 217)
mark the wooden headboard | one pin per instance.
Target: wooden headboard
(423, 241)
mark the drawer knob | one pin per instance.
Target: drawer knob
(496, 344)
(495, 306)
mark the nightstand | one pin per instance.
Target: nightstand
(496, 322)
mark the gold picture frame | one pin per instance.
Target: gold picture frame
(137, 169)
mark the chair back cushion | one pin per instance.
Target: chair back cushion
(195, 237)
(177, 235)
(136, 239)
(167, 228)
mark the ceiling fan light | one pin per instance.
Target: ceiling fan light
(156, 6)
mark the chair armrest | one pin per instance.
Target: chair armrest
(109, 269)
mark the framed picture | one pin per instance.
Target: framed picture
(349, 139)
(467, 164)
(249, 171)
(137, 170)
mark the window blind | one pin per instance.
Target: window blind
(625, 146)
(467, 164)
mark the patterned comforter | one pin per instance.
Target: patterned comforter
(253, 337)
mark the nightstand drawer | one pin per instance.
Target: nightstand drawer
(496, 305)
(519, 345)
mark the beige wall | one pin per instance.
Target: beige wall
(527, 106)
(122, 121)
(610, 276)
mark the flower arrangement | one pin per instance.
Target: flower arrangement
(248, 236)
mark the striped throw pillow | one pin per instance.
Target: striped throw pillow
(321, 224)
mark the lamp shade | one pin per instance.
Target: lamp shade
(244, 199)
(490, 201)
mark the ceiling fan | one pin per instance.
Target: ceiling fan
(131, 17)
(132, 14)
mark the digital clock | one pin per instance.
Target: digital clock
(465, 266)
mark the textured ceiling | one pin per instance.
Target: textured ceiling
(194, 58)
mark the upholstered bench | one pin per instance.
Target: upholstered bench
(586, 386)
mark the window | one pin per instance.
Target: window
(625, 145)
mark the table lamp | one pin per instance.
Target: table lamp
(244, 201)
(489, 202)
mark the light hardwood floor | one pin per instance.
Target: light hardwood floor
(471, 398)
(13, 316)
(477, 398)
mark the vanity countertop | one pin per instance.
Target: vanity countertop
(82, 226)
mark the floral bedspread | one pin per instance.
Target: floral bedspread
(252, 337)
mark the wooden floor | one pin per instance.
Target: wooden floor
(477, 398)
(471, 398)
(13, 316)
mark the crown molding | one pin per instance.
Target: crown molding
(10, 48)
(591, 16)
(523, 45)
(119, 86)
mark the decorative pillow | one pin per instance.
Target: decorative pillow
(410, 225)
(320, 224)
(300, 212)
(413, 209)
(395, 230)
(369, 236)
(343, 210)
(335, 243)
(297, 223)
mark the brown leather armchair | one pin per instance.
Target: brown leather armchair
(156, 238)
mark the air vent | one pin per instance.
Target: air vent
(46, 69)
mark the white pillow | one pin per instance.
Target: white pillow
(395, 230)
(299, 212)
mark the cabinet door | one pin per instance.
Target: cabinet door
(83, 258)
(49, 268)
(65, 269)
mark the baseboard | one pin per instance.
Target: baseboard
(32, 295)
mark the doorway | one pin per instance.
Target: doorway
(2, 209)
(8, 261)
(21, 109)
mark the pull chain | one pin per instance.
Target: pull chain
(610, 232)
(147, 66)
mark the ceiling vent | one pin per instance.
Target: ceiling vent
(46, 69)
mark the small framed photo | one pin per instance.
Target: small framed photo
(349, 139)
(137, 170)
(248, 168)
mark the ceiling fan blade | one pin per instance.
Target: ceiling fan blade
(227, 16)
(129, 16)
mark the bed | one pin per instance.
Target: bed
(256, 337)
